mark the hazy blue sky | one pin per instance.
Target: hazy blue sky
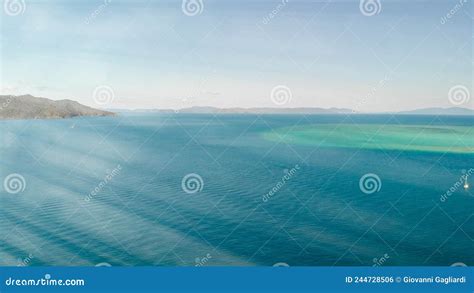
(328, 53)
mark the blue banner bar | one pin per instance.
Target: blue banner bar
(237, 279)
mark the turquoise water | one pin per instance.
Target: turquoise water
(109, 191)
(422, 138)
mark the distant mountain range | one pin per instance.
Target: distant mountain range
(440, 111)
(29, 107)
(308, 111)
(213, 110)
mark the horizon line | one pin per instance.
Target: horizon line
(346, 110)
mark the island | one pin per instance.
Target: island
(30, 107)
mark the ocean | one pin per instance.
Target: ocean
(147, 189)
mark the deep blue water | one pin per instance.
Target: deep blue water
(141, 215)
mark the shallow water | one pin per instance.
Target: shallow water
(423, 138)
(109, 190)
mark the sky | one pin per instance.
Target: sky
(263, 53)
